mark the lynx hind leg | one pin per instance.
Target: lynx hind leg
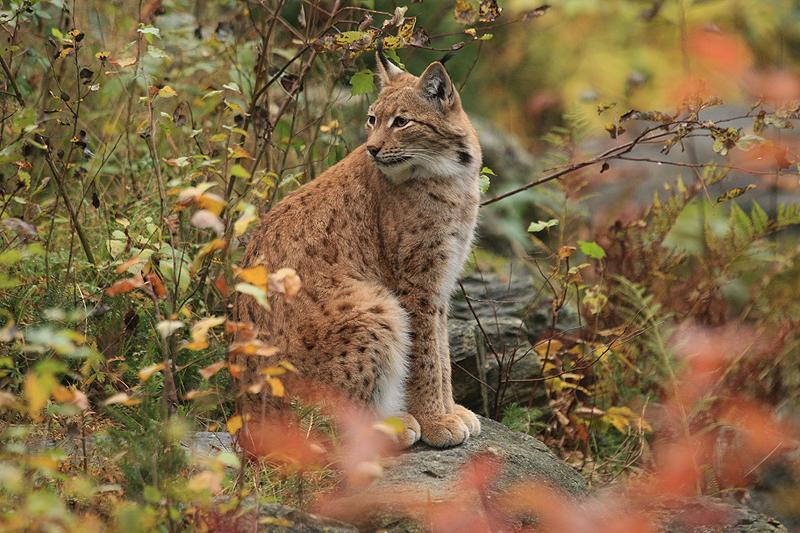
(360, 347)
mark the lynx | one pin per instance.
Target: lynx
(379, 240)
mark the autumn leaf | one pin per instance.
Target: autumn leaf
(135, 260)
(241, 224)
(157, 285)
(205, 219)
(124, 62)
(195, 394)
(146, 372)
(121, 398)
(167, 92)
(285, 281)
(168, 327)
(277, 386)
(125, 285)
(235, 423)
(200, 332)
(565, 252)
(255, 275)
(212, 369)
(211, 202)
(36, 390)
(237, 152)
(252, 347)
(735, 192)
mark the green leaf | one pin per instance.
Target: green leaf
(483, 183)
(542, 225)
(362, 82)
(257, 293)
(591, 249)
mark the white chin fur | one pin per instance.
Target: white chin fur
(439, 166)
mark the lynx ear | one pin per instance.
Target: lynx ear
(435, 84)
(387, 71)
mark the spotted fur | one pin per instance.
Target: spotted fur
(379, 240)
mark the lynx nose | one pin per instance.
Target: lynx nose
(373, 150)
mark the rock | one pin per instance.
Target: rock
(274, 517)
(428, 475)
(208, 443)
(707, 515)
(482, 380)
(522, 457)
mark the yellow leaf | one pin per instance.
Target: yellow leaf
(37, 390)
(329, 127)
(257, 275)
(623, 418)
(61, 394)
(236, 108)
(200, 332)
(43, 462)
(146, 372)
(237, 152)
(167, 92)
(216, 244)
(234, 424)
(288, 366)
(211, 202)
(277, 387)
(240, 226)
(273, 371)
(66, 51)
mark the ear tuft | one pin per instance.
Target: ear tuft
(436, 85)
(387, 70)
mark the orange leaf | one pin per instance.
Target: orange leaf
(157, 285)
(212, 369)
(125, 285)
(256, 275)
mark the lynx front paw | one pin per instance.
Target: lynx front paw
(410, 432)
(470, 420)
(443, 431)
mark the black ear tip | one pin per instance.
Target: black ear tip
(447, 57)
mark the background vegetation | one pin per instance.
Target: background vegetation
(645, 185)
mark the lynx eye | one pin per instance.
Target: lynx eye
(399, 122)
(371, 120)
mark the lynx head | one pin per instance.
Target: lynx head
(417, 129)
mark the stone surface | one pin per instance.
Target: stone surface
(424, 475)
(483, 371)
(709, 515)
(274, 517)
(521, 456)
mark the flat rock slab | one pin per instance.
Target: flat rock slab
(519, 456)
(709, 515)
(424, 476)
